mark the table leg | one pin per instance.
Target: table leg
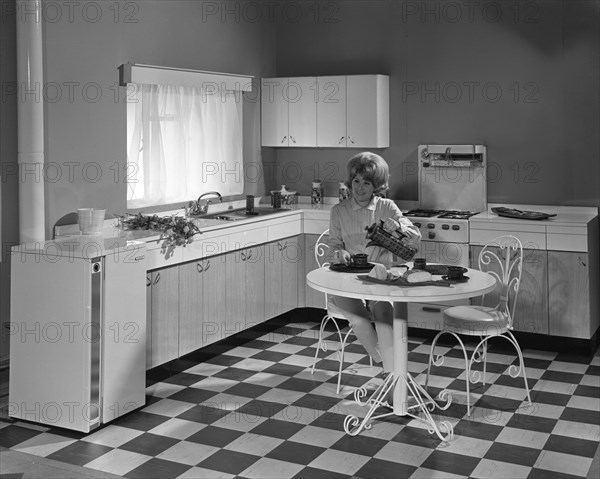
(403, 384)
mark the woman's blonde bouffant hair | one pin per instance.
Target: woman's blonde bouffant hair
(372, 168)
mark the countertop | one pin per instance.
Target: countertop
(565, 215)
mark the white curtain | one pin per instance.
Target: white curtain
(183, 142)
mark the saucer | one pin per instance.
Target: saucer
(464, 279)
(351, 268)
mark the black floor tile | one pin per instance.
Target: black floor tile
(451, 463)
(277, 428)
(571, 445)
(248, 390)
(184, 379)
(158, 469)
(296, 452)
(376, 468)
(235, 374)
(79, 453)
(313, 473)
(283, 369)
(368, 446)
(562, 377)
(586, 416)
(215, 436)
(477, 430)
(316, 401)
(193, 395)
(546, 397)
(524, 456)
(12, 435)
(149, 444)
(142, 421)
(203, 414)
(300, 385)
(231, 462)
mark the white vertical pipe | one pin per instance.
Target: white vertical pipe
(30, 114)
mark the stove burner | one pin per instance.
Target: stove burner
(450, 214)
(457, 215)
(423, 213)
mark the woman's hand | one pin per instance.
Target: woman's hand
(342, 257)
(410, 234)
(390, 225)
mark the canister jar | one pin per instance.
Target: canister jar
(343, 192)
(316, 194)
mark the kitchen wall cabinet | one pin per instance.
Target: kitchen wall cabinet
(569, 295)
(531, 310)
(353, 111)
(289, 112)
(329, 111)
(283, 266)
(245, 273)
(164, 315)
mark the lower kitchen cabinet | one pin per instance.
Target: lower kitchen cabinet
(245, 273)
(214, 299)
(569, 295)
(201, 303)
(531, 311)
(163, 315)
(283, 268)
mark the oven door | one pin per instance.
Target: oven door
(430, 315)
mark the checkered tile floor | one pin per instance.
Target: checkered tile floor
(250, 408)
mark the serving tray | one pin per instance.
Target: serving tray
(403, 283)
(520, 214)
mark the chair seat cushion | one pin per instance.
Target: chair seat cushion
(475, 320)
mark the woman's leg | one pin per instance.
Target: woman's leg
(383, 316)
(359, 317)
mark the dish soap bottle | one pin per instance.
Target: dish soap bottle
(316, 194)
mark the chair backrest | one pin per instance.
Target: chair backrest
(322, 249)
(503, 258)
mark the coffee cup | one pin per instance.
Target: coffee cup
(359, 259)
(419, 263)
(456, 273)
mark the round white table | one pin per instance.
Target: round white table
(350, 285)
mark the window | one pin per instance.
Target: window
(183, 141)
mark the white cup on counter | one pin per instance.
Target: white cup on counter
(90, 220)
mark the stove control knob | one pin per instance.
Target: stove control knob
(455, 227)
(418, 225)
(445, 227)
(431, 235)
(430, 226)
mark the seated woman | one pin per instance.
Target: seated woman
(368, 176)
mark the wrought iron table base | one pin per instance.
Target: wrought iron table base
(424, 404)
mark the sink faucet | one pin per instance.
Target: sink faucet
(198, 208)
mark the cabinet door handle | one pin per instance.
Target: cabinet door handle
(351, 140)
(341, 140)
(207, 267)
(429, 309)
(148, 280)
(249, 255)
(293, 139)
(243, 256)
(157, 279)
(284, 139)
(199, 268)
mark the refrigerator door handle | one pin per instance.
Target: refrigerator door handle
(93, 409)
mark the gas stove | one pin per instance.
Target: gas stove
(447, 226)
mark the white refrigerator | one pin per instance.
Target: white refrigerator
(77, 331)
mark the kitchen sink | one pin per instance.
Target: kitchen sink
(241, 214)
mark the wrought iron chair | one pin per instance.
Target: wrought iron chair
(333, 313)
(502, 258)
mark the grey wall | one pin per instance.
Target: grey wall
(525, 81)
(86, 110)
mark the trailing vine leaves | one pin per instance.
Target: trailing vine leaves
(174, 230)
